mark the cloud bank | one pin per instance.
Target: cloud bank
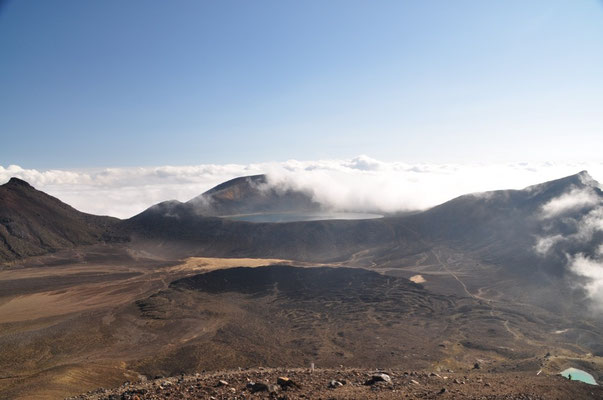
(579, 212)
(591, 270)
(574, 199)
(361, 183)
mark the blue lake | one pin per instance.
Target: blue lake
(293, 217)
(579, 375)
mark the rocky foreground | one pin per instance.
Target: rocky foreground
(351, 384)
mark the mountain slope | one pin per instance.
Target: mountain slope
(192, 228)
(251, 194)
(510, 228)
(191, 234)
(506, 226)
(503, 227)
(34, 223)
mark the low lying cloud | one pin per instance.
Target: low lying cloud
(361, 183)
(578, 214)
(575, 199)
(545, 244)
(591, 270)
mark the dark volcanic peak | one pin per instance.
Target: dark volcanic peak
(16, 182)
(245, 195)
(551, 188)
(557, 187)
(34, 223)
(242, 181)
(531, 198)
(505, 225)
(250, 195)
(165, 206)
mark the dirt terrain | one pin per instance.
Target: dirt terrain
(351, 384)
(64, 317)
(102, 315)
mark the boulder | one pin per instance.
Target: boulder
(257, 387)
(286, 382)
(380, 377)
(335, 384)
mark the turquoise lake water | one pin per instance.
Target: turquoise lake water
(579, 375)
(293, 217)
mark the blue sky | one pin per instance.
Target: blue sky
(111, 83)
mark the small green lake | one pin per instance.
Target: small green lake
(579, 375)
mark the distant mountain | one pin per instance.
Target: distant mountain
(194, 227)
(506, 226)
(522, 230)
(34, 223)
(501, 227)
(251, 194)
(239, 196)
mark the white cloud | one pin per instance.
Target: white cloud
(575, 199)
(364, 163)
(545, 244)
(591, 270)
(584, 228)
(359, 183)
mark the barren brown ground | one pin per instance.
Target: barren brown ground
(101, 315)
(405, 384)
(58, 312)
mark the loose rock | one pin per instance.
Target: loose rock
(381, 377)
(273, 388)
(286, 382)
(257, 387)
(335, 384)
